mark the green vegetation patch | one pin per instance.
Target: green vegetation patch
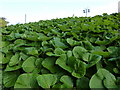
(73, 52)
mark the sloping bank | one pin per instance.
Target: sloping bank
(73, 52)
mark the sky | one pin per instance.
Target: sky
(14, 10)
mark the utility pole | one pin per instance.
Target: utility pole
(25, 18)
(86, 11)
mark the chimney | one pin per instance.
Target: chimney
(119, 7)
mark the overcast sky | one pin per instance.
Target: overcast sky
(15, 10)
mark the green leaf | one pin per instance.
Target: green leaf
(6, 59)
(67, 81)
(19, 41)
(69, 53)
(104, 42)
(71, 61)
(45, 71)
(93, 59)
(79, 69)
(110, 81)
(18, 35)
(15, 67)
(38, 63)
(61, 61)
(82, 82)
(92, 39)
(85, 56)
(76, 67)
(57, 86)
(23, 56)
(5, 49)
(42, 37)
(46, 49)
(114, 51)
(104, 79)
(72, 42)
(14, 59)
(31, 37)
(88, 45)
(11, 36)
(4, 44)
(78, 51)
(99, 65)
(31, 51)
(58, 43)
(44, 43)
(49, 63)
(51, 54)
(102, 53)
(98, 48)
(46, 80)
(59, 51)
(113, 59)
(26, 80)
(28, 65)
(9, 78)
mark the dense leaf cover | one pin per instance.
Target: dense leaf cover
(73, 52)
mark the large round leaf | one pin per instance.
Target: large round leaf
(78, 51)
(49, 63)
(27, 80)
(46, 80)
(9, 78)
(79, 69)
(28, 65)
(67, 81)
(103, 78)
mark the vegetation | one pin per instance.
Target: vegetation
(3, 22)
(73, 52)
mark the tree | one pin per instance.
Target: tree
(3, 22)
